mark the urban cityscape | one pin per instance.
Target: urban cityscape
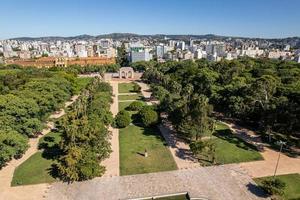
(160, 48)
(144, 100)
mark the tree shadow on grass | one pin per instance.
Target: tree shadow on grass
(154, 131)
(229, 137)
(53, 171)
(136, 120)
(52, 152)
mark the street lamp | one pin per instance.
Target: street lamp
(281, 143)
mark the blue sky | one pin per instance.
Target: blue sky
(253, 18)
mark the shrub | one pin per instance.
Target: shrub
(136, 106)
(148, 116)
(122, 119)
(273, 186)
(136, 88)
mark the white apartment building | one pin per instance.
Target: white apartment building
(278, 54)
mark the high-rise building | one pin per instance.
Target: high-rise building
(200, 54)
(138, 52)
(181, 45)
(209, 48)
(172, 43)
(105, 43)
(191, 42)
(140, 56)
(160, 51)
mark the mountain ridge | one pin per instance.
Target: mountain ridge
(134, 35)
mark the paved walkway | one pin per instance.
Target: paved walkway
(129, 93)
(215, 183)
(178, 148)
(6, 173)
(132, 100)
(145, 89)
(266, 167)
(245, 134)
(112, 163)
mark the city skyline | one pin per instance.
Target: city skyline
(267, 19)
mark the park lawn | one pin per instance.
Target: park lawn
(36, 169)
(124, 105)
(221, 126)
(230, 149)
(125, 87)
(130, 97)
(292, 181)
(234, 150)
(51, 139)
(133, 141)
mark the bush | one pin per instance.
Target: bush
(122, 119)
(148, 116)
(136, 106)
(273, 186)
(136, 88)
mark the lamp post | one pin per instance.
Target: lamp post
(281, 143)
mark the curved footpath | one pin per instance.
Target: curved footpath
(6, 173)
(266, 167)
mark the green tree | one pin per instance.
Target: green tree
(122, 119)
(122, 58)
(148, 116)
(136, 88)
(136, 106)
(273, 186)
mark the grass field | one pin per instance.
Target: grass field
(124, 105)
(125, 87)
(34, 170)
(50, 139)
(292, 181)
(234, 150)
(230, 149)
(133, 142)
(38, 168)
(130, 97)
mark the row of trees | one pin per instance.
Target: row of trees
(262, 92)
(27, 97)
(85, 140)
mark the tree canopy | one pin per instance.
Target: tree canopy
(264, 93)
